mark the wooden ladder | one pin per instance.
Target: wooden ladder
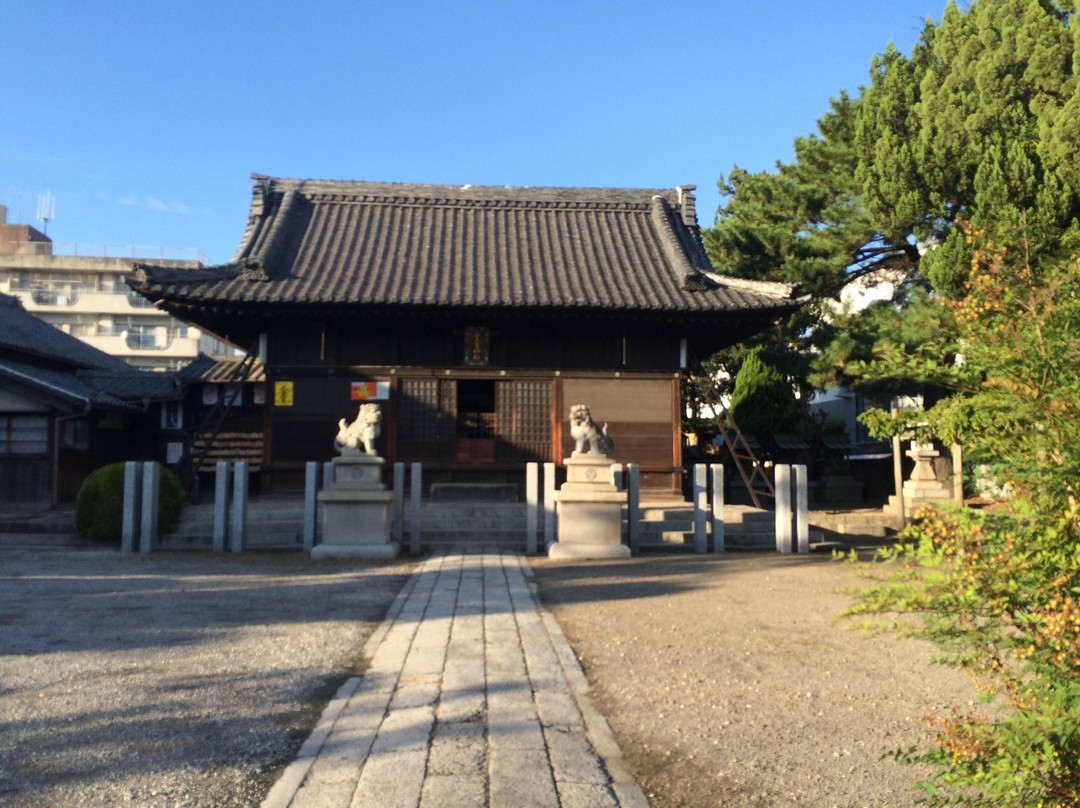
(207, 432)
(754, 477)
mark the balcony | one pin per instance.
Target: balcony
(135, 299)
(146, 342)
(150, 346)
(55, 297)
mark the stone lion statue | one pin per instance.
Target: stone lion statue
(584, 431)
(360, 434)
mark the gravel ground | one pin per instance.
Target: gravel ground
(175, 679)
(190, 679)
(727, 682)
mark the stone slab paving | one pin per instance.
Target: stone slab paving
(473, 699)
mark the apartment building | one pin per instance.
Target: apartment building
(86, 296)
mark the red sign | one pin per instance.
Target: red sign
(369, 391)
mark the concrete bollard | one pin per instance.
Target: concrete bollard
(129, 532)
(633, 506)
(238, 520)
(718, 507)
(221, 505)
(311, 504)
(397, 506)
(549, 505)
(782, 481)
(532, 506)
(701, 504)
(151, 492)
(417, 483)
(802, 510)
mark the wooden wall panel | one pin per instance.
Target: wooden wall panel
(25, 481)
(624, 399)
(639, 413)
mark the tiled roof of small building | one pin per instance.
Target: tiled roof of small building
(59, 385)
(221, 369)
(38, 356)
(314, 242)
(21, 333)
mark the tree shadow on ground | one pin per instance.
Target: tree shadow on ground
(650, 575)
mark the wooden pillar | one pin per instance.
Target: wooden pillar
(958, 473)
(898, 475)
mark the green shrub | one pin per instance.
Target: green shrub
(99, 505)
(763, 402)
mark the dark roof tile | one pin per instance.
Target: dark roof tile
(21, 333)
(385, 244)
(59, 384)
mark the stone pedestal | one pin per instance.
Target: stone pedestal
(923, 487)
(590, 511)
(355, 511)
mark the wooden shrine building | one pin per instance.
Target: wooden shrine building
(475, 315)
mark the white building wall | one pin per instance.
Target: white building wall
(88, 298)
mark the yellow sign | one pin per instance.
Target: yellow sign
(283, 394)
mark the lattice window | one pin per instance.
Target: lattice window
(426, 422)
(524, 420)
(24, 434)
(419, 409)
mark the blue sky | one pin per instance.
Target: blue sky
(145, 118)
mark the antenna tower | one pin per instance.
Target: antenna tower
(46, 210)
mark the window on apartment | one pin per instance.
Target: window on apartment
(24, 434)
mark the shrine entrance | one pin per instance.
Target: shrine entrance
(474, 434)
(476, 421)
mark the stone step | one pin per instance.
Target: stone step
(42, 539)
(468, 540)
(869, 522)
(479, 516)
(279, 524)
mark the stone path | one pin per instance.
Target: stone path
(473, 698)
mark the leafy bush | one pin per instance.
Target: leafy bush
(99, 505)
(763, 402)
(999, 591)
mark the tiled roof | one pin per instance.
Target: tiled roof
(134, 384)
(64, 386)
(384, 244)
(220, 369)
(37, 356)
(23, 334)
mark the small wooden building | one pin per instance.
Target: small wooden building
(67, 408)
(474, 315)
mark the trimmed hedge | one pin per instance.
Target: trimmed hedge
(99, 505)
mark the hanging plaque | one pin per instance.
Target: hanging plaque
(477, 346)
